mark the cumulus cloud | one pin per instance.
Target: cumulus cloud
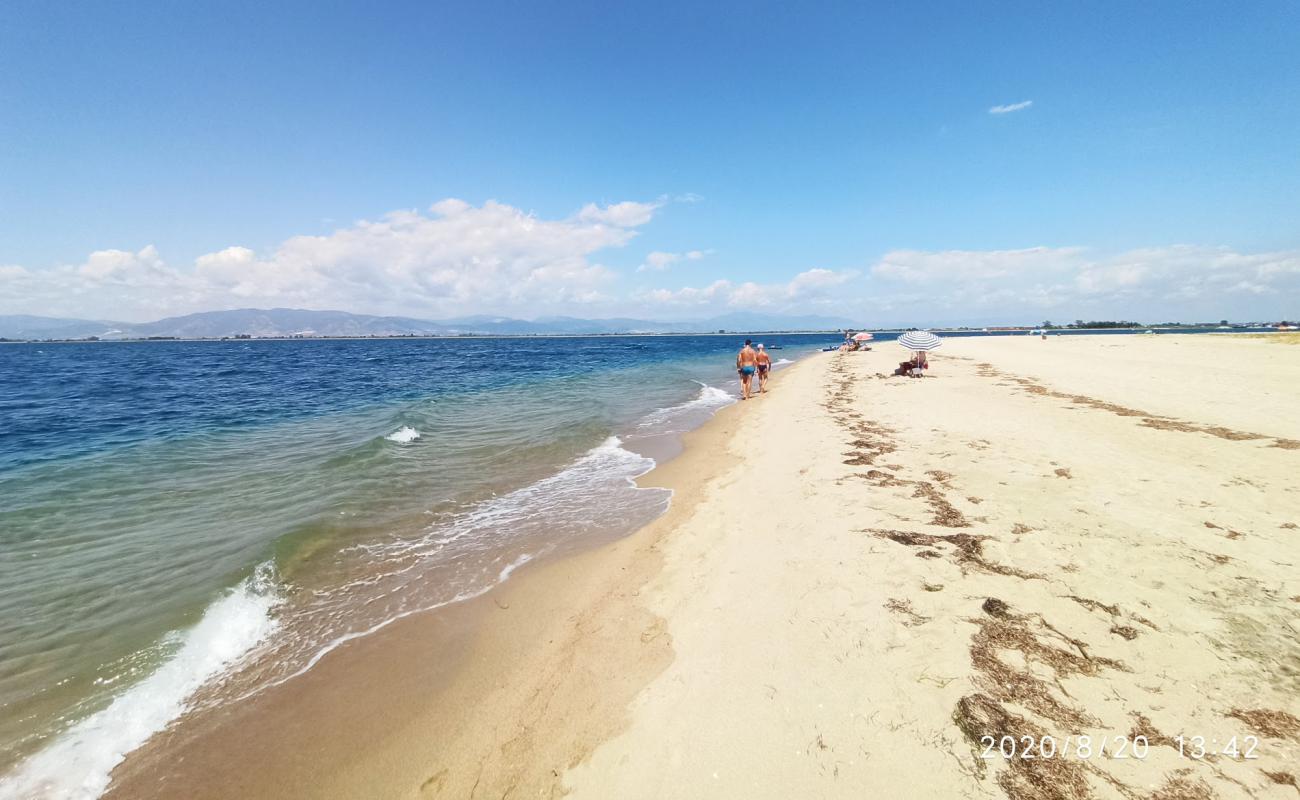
(456, 258)
(453, 258)
(921, 266)
(1011, 107)
(627, 214)
(812, 287)
(1161, 281)
(658, 260)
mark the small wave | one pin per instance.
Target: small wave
(709, 398)
(597, 492)
(781, 361)
(403, 435)
(514, 565)
(572, 496)
(78, 763)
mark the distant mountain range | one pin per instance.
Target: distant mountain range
(299, 322)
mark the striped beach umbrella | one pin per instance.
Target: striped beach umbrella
(919, 340)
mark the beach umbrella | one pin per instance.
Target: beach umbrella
(862, 337)
(919, 340)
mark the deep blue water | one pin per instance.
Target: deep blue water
(62, 400)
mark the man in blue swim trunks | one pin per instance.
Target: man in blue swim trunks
(746, 366)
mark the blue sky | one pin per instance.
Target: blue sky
(835, 158)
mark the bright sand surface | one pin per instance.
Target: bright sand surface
(859, 578)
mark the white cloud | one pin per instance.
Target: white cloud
(920, 266)
(658, 260)
(1172, 281)
(627, 214)
(716, 292)
(457, 258)
(454, 259)
(1011, 107)
(812, 287)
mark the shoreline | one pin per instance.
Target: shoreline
(960, 332)
(857, 577)
(432, 655)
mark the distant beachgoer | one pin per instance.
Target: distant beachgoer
(913, 366)
(764, 362)
(746, 366)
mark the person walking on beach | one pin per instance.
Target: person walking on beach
(746, 366)
(764, 363)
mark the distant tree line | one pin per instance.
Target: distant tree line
(1105, 323)
(1078, 323)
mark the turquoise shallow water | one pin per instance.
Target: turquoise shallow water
(190, 522)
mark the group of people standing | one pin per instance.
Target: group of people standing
(751, 361)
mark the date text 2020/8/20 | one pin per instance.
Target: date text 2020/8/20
(1031, 747)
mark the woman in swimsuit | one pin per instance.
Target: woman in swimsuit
(764, 363)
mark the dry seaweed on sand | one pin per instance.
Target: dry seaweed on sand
(1142, 726)
(1282, 779)
(1000, 631)
(996, 608)
(1274, 724)
(968, 545)
(1093, 605)
(978, 716)
(1126, 631)
(1149, 420)
(968, 548)
(904, 609)
(1180, 786)
(945, 513)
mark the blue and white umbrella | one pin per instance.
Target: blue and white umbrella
(919, 340)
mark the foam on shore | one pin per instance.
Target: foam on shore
(77, 764)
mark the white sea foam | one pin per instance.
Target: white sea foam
(76, 765)
(709, 398)
(568, 498)
(597, 491)
(403, 435)
(781, 362)
(514, 565)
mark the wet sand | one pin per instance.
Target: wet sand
(859, 578)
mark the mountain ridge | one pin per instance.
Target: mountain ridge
(283, 322)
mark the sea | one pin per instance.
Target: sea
(186, 523)
(194, 521)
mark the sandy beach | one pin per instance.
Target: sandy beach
(860, 577)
